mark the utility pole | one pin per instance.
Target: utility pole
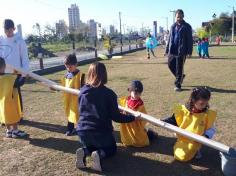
(173, 11)
(233, 26)
(121, 43)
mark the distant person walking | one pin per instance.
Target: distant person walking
(180, 45)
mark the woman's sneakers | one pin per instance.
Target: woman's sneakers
(96, 161)
(80, 158)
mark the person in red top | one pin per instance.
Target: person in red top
(135, 133)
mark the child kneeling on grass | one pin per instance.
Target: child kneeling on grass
(9, 109)
(134, 133)
(73, 79)
(98, 107)
(195, 117)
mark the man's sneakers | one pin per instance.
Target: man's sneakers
(15, 134)
(80, 158)
(96, 161)
(177, 89)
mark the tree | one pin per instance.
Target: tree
(202, 33)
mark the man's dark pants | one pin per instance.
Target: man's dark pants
(176, 66)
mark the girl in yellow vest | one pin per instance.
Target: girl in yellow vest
(134, 133)
(195, 117)
(9, 110)
(72, 79)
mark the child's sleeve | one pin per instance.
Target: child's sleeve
(179, 114)
(115, 113)
(171, 120)
(20, 81)
(210, 128)
(82, 80)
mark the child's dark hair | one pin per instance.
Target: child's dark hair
(97, 74)
(2, 62)
(198, 94)
(70, 60)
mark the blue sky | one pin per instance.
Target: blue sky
(135, 13)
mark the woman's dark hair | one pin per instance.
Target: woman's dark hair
(70, 60)
(97, 74)
(198, 94)
(2, 62)
(179, 11)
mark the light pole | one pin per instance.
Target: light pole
(233, 26)
(121, 43)
(173, 11)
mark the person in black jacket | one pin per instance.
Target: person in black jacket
(180, 45)
(98, 107)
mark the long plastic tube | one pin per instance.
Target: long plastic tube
(211, 143)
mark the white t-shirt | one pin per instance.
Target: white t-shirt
(15, 52)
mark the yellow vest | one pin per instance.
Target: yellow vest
(9, 100)
(185, 149)
(133, 133)
(71, 104)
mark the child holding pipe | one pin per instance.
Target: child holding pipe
(134, 133)
(195, 117)
(98, 108)
(9, 110)
(72, 79)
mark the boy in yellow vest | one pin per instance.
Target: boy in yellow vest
(134, 133)
(72, 79)
(9, 110)
(195, 117)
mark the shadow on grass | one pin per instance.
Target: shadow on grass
(45, 126)
(137, 161)
(222, 58)
(126, 162)
(217, 90)
(59, 144)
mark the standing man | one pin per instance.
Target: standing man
(14, 52)
(180, 45)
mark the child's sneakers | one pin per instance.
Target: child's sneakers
(18, 134)
(80, 158)
(70, 133)
(198, 155)
(9, 133)
(96, 162)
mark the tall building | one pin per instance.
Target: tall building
(61, 29)
(112, 29)
(92, 28)
(74, 18)
(155, 29)
(161, 30)
(99, 31)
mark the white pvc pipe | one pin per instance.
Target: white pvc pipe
(213, 144)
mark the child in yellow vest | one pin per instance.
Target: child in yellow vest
(72, 79)
(9, 110)
(134, 133)
(195, 117)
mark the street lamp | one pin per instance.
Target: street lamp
(173, 11)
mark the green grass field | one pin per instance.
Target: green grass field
(48, 151)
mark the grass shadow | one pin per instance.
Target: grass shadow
(45, 126)
(217, 90)
(59, 144)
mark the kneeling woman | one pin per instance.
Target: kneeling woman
(98, 107)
